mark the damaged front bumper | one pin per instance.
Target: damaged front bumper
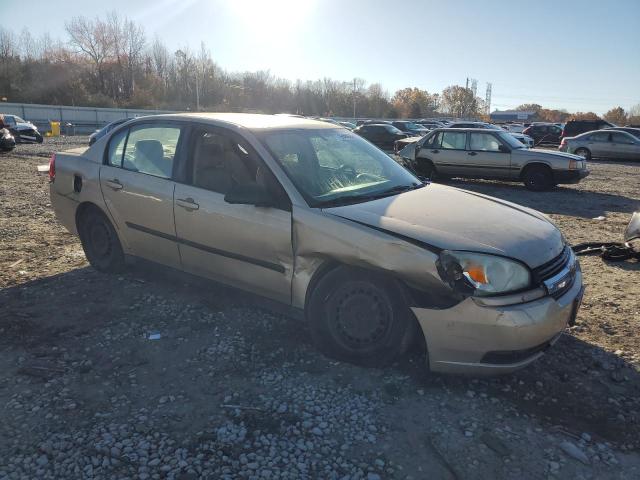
(470, 338)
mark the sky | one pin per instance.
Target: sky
(578, 55)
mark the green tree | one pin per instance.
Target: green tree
(617, 116)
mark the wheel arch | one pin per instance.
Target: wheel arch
(535, 163)
(87, 206)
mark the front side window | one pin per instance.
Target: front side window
(454, 140)
(433, 141)
(336, 167)
(221, 163)
(483, 142)
(618, 137)
(151, 150)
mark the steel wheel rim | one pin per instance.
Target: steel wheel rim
(361, 317)
(100, 239)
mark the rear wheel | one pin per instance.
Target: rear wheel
(358, 317)
(100, 241)
(538, 178)
(584, 153)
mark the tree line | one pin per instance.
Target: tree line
(112, 62)
(617, 115)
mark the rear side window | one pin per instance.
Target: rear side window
(599, 137)
(151, 150)
(116, 148)
(454, 140)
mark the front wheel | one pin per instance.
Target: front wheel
(100, 242)
(538, 178)
(358, 317)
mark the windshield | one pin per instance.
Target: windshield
(511, 140)
(392, 129)
(413, 126)
(336, 167)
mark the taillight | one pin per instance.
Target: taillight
(52, 167)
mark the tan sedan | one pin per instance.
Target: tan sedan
(317, 218)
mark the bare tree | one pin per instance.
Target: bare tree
(92, 38)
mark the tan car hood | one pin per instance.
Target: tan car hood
(453, 219)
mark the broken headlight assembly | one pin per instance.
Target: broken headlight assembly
(481, 274)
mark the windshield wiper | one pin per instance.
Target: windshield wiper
(349, 199)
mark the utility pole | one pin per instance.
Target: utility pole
(197, 89)
(354, 98)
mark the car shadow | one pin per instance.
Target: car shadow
(561, 200)
(577, 386)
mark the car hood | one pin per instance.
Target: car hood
(25, 126)
(449, 218)
(538, 153)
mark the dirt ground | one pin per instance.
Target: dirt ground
(232, 389)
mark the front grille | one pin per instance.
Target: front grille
(552, 267)
(505, 357)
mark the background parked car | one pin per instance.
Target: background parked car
(382, 135)
(526, 140)
(22, 130)
(603, 144)
(348, 125)
(410, 128)
(430, 125)
(486, 153)
(576, 127)
(633, 131)
(514, 127)
(98, 134)
(7, 142)
(544, 133)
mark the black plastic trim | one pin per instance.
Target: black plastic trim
(205, 248)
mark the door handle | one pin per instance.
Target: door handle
(435, 151)
(114, 184)
(472, 153)
(187, 203)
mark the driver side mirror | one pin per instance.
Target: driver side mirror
(504, 149)
(250, 194)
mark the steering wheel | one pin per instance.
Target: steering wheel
(348, 171)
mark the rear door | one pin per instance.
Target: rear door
(137, 186)
(452, 158)
(241, 245)
(599, 144)
(484, 157)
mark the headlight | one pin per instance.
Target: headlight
(480, 274)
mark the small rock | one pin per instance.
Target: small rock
(574, 452)
(42, 460)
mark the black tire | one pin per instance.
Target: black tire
(538, 178)
(39, 138)
(583, 152)
(359, 317)
(426, 169)
(100, 241)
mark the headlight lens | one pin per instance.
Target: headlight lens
(481, 274)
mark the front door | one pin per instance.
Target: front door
(624, 146)
(241, 245)
(137, 187)
(484, 158)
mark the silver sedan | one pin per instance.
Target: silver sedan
(603, 144)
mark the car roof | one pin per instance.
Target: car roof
(250, 121)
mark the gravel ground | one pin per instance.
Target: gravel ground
(232, 389)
